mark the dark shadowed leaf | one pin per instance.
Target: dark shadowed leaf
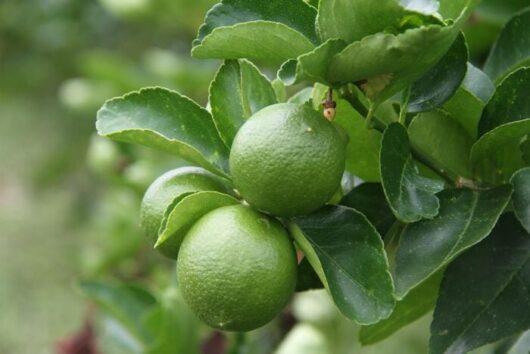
(450, 149)
(512, 48)
(238, 91)
(410, 195)
(485, 295)
(347, 253)
(436, 86)
(415, 305)
(183, 215)
(521, 196)
(510, 102)
(497, 155)
(369, 199)
(466, 217)
(307, 277)
(167, 121)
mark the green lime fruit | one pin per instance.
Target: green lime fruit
(287, 160)
(236, 268)
(169, 189)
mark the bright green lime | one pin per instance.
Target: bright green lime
(287, 160)
(170, 188)
(236, 268)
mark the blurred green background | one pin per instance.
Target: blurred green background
(69, 200)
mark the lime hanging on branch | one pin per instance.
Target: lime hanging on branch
(287, 160)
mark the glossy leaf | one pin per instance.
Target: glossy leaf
(167, 121)
(383, 60)
(415, 305)
(126, 303)
(497, 155)
(484, 295)
(347, 253)
(312, 66)
(353, 20)
(183, 215)
(451, 9)
(466, 217)
(467, 104)
(521, 196)
(450, 149)
(238, 91)
(437, 86)
(265, 42)
(411, 196)
(369, 199)
(295, 14)
(510, 102)
(512, 48)
(362, 151)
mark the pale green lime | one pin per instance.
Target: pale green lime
(236, 268)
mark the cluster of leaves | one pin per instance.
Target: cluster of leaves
(442, 219)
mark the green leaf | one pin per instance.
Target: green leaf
(302, 96)
(348, 255)
(466, 217)
(237, 92)
(312, 66)
(450, 149)
(173, 326)
(521, 196)
(415, 305)
(439, 84)
(362, 151)
(484, 295)
(166, 121)
(512, 49)
(497, 154)
(352, 20)
(270, 43)
(510, 102)
(295, 14)
(183, 215)
(410, 196)
(369, 199)
(467, 104)
(126, 303)
(388, 63)
(452, 9)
